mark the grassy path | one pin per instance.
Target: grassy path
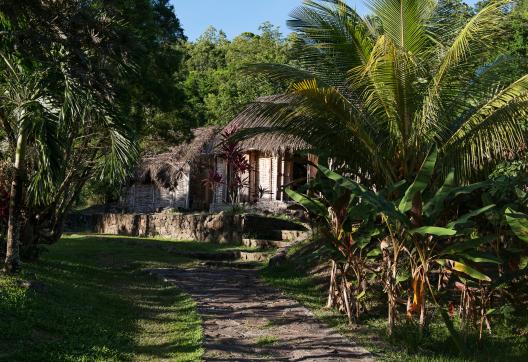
(245, 320)
(90, 300)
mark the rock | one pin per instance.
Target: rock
(34, 285)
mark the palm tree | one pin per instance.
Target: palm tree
(31, 114)
(66, 132)
(378, 93)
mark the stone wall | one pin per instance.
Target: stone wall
(215, 228)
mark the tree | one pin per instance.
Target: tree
(216, 91)
(377, 97)
(65, 123)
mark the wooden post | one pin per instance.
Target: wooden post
(254, 176)
(280, 172)
(312, 170)
(188, 196)
(271, 177)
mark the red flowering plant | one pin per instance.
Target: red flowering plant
(237, 165)
(213, 180)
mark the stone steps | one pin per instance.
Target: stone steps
(226, 257)
(199, 255)
(232, 264)
(294, 235)
(255, 223)
(265, 243)
(265, 235)
(255, 255)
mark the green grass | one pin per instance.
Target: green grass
(95, 302)
(267, 340)
(508, 343)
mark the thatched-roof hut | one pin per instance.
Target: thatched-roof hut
(174, 179)
(277, 161)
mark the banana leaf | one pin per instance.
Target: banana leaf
(465, 245)
(464, 190)
(464, 219)
(433, 230)
(377, 201)
(312, 205)
(364, 237)
(518, 223)
(392, 188)
(360, 212)
(435, 205)
(421, 181)
(478, 257)
(466, 269)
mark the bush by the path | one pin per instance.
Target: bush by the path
(305, 278)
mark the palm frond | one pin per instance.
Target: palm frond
(405, 22)
(281, 72)
(491, 131)
(334, 29)
(477, 37)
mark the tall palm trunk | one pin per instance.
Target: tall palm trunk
(12, 260)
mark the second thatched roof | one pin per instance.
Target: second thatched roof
(266, 141)
(166, 169)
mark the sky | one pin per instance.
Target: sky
(237, 16)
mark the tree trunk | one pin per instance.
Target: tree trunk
(390, 264)
(391, 316)
(12, 260)
(332, 289)
(423, 312)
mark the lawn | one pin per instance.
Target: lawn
(509, 341)
(90, 299)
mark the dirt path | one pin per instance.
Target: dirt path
(245, 320)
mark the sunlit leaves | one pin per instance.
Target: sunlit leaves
(518, 223)
(403, 89)
(420, 183)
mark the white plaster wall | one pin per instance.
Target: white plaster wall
(265, 176)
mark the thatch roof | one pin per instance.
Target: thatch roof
(248, 120)
(166, 169)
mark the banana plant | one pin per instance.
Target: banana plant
(418, 222)
(350, 229)
(518, 223)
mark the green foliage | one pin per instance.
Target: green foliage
(80, 83)
(434, 237)
(519, 20)
(296, 278)
(518, 223)
(379, 96)
(215, 88)
(420, 183)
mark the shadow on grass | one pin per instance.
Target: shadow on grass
(95, 302)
